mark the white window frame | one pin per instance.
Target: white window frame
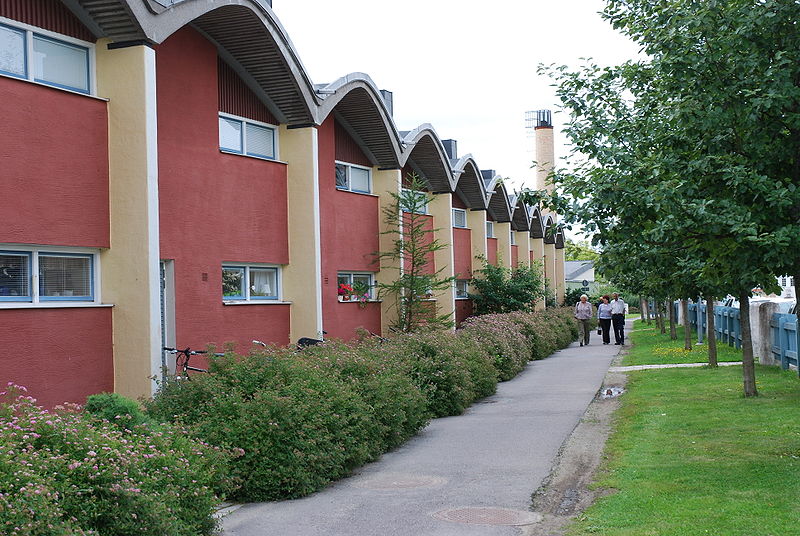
(35, 300)
(512, 237)
(348, 167)
(245, 121)
(350, 275)
(30, 31)
(420, 193)
(247, 298)
(459, 211)
(490, 229)
(465, 284)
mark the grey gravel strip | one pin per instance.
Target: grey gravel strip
(674, 365)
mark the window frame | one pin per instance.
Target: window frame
(490, 229)
(243, 122)
(460, 211)
(512, 238)
(34, 297)
(348, 167)
(29, 31)
(465, 283)
(351, 275)
(426, 210)
(246, 297)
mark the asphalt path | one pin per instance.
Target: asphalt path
(494, 455)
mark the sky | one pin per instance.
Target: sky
(467, 67)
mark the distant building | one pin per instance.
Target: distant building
(580, 274)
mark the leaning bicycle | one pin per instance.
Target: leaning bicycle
(183, 356)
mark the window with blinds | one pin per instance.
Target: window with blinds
(460, 218)
(246, 137)
(66, 277)
(62, 276)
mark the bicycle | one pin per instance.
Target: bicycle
(183, 366)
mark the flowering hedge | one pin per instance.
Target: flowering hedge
(66, 472)
(304, 419)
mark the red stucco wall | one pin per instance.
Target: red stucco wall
(463, 310)
(349, 236)
(462, 253)
(214, 207)
(59, 355)
(514, 256)
(491, 250)
(54, 166)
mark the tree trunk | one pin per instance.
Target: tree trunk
(712, 332)
(641, 308)
(673, 332)
(748, 366)
(687, 329)
(647, 311)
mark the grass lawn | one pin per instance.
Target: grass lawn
(652, 348)
(691, 456)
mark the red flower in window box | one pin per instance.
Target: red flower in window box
(345, 291)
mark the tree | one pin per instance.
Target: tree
(579, 250)
(502, 290)
(414, 244)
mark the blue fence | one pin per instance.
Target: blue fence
(728, 328)
(784, 339)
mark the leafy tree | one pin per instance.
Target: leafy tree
(579, 250)
(503, 290)
(414, 245)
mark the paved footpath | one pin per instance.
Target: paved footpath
(494, 455)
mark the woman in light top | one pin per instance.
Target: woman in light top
(583, 313)
(604, 316)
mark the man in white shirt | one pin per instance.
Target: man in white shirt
(618, 318)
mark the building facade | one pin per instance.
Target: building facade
(172, 177)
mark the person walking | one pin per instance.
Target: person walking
(604, 317)
(583, 313)
(618, 309)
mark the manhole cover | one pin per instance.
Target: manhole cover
(486, 515)
(399, 481)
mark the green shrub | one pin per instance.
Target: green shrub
(64, 473)
(397, 404)
(116, 409)
(501, 339)
(299, 426)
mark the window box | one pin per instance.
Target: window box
(353, 178)
(46, 57)
(251, 283)
(247, 137)
(356, 286)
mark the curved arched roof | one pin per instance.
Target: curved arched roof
(520, 217)
(469, 183)
(360, 108)
(499, 206)
(423, 149)
(247, 32)
(537, 225)
(549, 229)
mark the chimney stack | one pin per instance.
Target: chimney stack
(451, 148)
(545, 152)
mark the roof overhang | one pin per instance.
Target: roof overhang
(469, 183)
(424, 151)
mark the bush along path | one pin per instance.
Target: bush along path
(306, 419)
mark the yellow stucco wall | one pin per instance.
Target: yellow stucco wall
(130, 268)
(503, 233)
(384, 184)
(440, 207)
(476, 221)
(302, 277)
(559, 266)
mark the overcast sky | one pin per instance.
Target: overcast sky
(465, 66)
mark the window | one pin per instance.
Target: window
(353, 178)
(249, 283)
(30, 54)
(37, 276)
(460, 218)
(246, 137)
(513, 238)
(414, 201)
(361, 283)
(462, 286)
(489, 229)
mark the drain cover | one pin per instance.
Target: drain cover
(399, 481)
(611, 392)
(485, 515)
